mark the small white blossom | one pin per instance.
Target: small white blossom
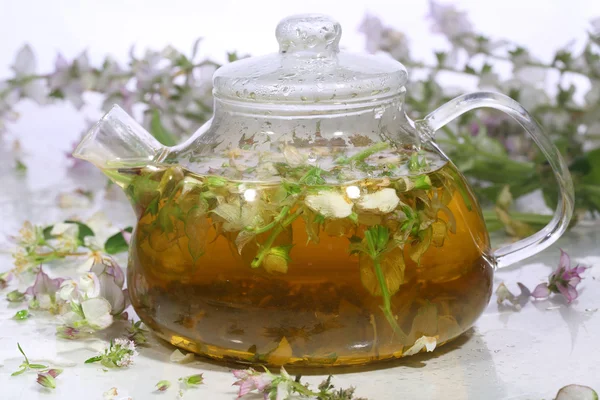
(329, 204)
(381, 202)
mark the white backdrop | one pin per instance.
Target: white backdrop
(113, 26)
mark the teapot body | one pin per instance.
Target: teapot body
(310, 222)
(286, 273)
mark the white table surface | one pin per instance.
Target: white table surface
(509, 354)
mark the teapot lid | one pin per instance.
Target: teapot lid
(310, 68)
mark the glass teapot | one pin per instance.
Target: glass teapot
(310, 221)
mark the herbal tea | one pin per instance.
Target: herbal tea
(307, 270)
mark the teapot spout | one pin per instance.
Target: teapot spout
(118, 141)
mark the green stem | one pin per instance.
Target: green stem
(376, 148)
(265, 228)
(387, 304)
(274, 233)
(530, 218)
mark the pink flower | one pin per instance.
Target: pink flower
(44, 289)
(563, 280)
(250, 379)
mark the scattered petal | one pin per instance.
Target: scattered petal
(110, 394)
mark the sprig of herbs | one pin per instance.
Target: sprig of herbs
(26, 365)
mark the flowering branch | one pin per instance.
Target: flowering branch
(480, 142)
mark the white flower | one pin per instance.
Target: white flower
(381, 202)
(67, 236)
(29, 235)
(448, 21)
(125, 344)
(112, 293)
(101, 226)
(593, 96)
(24, 67)
(427, 342)
(372, 28)
(69, 291)
(595, 30)
(383, 38)
(178, 357)
(44, 301)
(89, 285)
(532, 75)
(126, 350)
(97, 313)
(94, 314)
(489, 80)
(283, 390)
(329, 204)
(64, 228)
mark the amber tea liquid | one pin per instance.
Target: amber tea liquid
(302, 286)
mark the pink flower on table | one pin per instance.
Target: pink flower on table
(250, 379)
(563, 280)
(44, 290)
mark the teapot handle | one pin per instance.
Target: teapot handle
(537, 242)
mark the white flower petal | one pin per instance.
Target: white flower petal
(64, 228)
(68, 291)
(24, 62)
(178, 357)
(44, 301)
(381, 202)
(427, 342)
(36, 90)
(97, 313)
(70, 318)
(87, 264)
(329, 204)
(89, 284)
(110, 291)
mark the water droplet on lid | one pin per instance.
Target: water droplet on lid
(312, 157)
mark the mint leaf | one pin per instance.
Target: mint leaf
(117, 243)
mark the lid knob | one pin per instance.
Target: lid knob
(312, 33)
